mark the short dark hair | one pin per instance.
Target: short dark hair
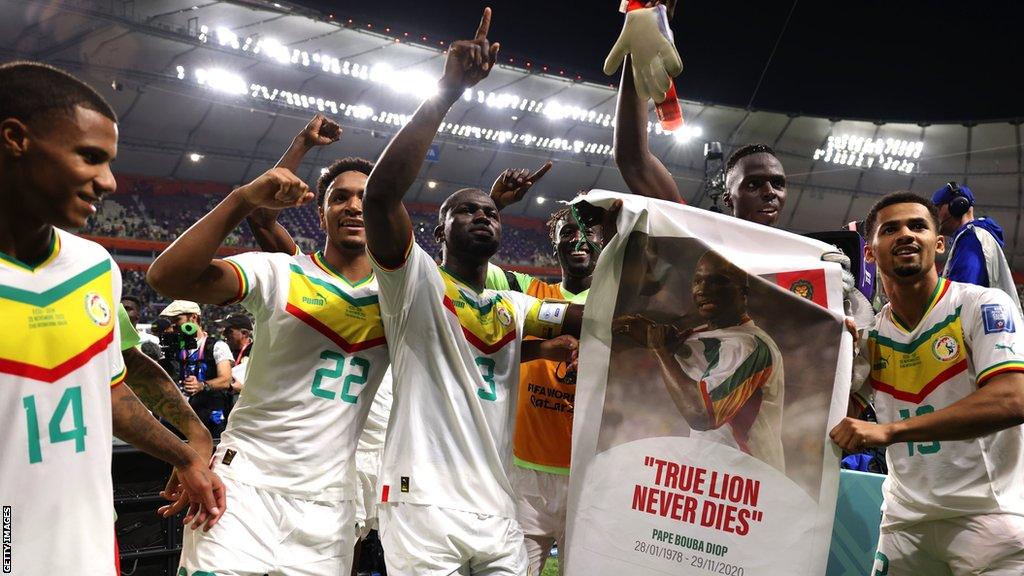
(133, 298)
(446, 206)
(748, 150)
(899, 197)
(30, 90)
(348, 164)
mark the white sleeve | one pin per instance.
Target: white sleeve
(990, 324)
(256, 281)
(398, 287)
(988, 248)
(222, 352)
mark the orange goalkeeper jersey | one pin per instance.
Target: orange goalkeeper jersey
(543, 434)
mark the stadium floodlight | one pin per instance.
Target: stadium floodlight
(227, 38)
(274, 50)
(181, 72)
(221, 81)
(431, 184)
(195, 156)
(366, 113)
(686, 133)
(541, 199)
(415, 84)
(858, 151)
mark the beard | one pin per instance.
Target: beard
(349, 244)
(476, 249)
(906, 271)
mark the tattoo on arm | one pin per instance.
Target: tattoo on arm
(136, 426)
(155, 388)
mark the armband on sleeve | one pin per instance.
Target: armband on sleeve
(545, 318)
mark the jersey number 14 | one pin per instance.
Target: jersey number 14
(70, 400)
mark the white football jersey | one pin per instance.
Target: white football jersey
(967, 335)
(741, 377)
(318, 355)
(455, 357)
(60, 353)
(371, 441)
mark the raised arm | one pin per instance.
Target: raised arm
(270, 235)
(388, 228)
(644, 173)
(188, 269)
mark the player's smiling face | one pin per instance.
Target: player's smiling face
(63, 169)
(576, 258)
(471, 225)
(341, 215)
(758, 193)
(719, 295)
(905, 241)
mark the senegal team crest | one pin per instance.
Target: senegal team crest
(803, 289)
(503, 316)
(945, 348)
(98, 309)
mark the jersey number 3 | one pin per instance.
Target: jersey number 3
(487, 372)
(360, 370)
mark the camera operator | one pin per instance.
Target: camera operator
(200, 362)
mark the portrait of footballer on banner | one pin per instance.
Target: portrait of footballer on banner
(705, 350)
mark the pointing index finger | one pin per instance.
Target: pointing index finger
(485, 25)
(541, 171)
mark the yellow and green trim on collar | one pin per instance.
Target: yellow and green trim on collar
(940, 290)
(51, 255)
(318, 259)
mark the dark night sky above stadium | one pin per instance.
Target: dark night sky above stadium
(913, 60)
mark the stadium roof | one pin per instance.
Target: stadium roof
(229, 83)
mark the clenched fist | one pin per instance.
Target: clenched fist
(276, 188)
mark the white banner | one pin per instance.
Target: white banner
(708, 384)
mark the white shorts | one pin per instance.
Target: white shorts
(367, 468)
(425, 540)
(541, 502)
(990, 544)
(541, 505)
(264, 532)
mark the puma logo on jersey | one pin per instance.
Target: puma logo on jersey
(319, 300)
(1005, 347)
